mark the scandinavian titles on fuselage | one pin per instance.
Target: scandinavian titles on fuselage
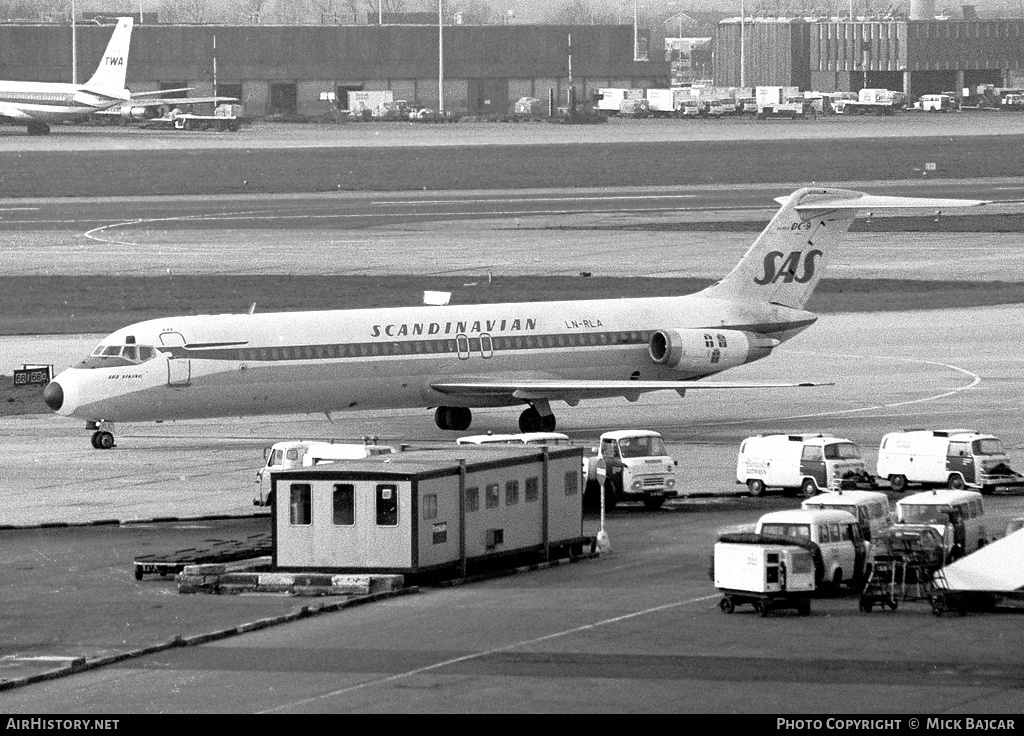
(453, 328)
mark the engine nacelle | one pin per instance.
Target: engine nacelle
(140, 113)
(707, 351)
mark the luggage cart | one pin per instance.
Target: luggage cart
(904, 568)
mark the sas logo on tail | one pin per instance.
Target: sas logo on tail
(778, 265)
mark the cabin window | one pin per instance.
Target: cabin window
(430, 506)
(472, 499)
(387, 505)
(512, 493)
(532, 489)
(301, 504)
(344, 504)
(493, 499)
(572, 483)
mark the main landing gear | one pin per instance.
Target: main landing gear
(102, 439)
(537, 418)
(533, 420)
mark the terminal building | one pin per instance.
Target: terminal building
(919, 54)
(486, 69)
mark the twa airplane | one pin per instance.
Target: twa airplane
(37, 104)
(457, 358)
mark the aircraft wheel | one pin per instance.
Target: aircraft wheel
(93, 440)
(104, 440)
(530, 421)
(441, 415)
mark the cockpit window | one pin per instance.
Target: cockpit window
(130, 353)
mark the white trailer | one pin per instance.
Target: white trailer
(765, 572)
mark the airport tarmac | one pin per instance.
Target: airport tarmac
(635, 631)
(890, 370)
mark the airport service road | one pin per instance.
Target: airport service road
(891, 370)
(514, 232)
(637, 630)
(263, 135)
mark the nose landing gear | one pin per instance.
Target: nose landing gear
(102, 439)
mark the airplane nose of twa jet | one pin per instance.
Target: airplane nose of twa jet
(53, 395)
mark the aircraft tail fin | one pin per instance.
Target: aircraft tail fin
(113, 68)
(788, 258)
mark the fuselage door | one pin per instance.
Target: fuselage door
(179, 368)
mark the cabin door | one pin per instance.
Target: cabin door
(179, 368)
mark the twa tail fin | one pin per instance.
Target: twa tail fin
(787, 260)
(111, 73)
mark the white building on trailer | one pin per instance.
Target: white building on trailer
(426, 510)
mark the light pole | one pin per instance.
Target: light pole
(440, 57)
(74, 46)
(743, 35)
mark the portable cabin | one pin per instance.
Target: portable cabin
(424, 510)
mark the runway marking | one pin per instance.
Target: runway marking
(975, 380)
(489, 652)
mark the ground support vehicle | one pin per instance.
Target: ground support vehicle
(767, 572)
(630, 465)
(224, 117)
(308, 453)
(835, 535)
(804, 463)
(951, 458)
(903, 567)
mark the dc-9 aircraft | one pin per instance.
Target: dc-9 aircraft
(457, 358)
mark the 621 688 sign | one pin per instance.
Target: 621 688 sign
(32, 376)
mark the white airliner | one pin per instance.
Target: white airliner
(37, 104)
(456, 358)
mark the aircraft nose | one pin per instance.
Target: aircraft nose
(53, 395)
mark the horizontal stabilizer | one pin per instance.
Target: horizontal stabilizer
(847, 200)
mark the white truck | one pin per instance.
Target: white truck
(804, 463)
(781, 102)
(369, 103)
(872, 101)
(951, 458)
(610, 99)
(630, 465)
(305, 454)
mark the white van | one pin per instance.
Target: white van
(954, 458)
(844, 552)
(307, 453)
(870, 507)
(935, 103)
(552, 439)
(958, 515)
(808, 463)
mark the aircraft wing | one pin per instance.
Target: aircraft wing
(175, 101)
(569, 390)
(12, 112)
